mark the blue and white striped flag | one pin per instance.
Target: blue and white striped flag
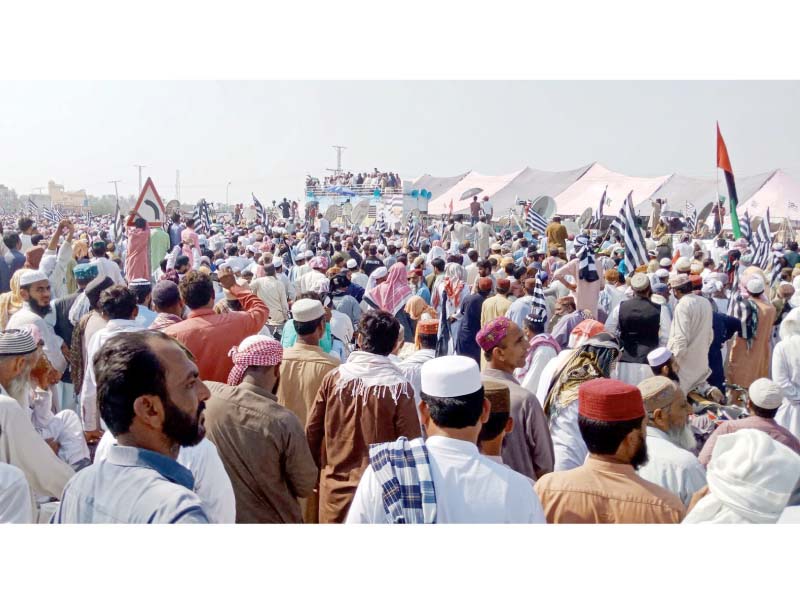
(598, 212)
(259, 210)
(635, 248)
(535, 221)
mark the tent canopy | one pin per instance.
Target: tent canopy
(490, 184)
(532, 183)
(780, 193)
(587, 191)
(435, 185)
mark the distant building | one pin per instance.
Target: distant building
(8, 196)
(59, 197)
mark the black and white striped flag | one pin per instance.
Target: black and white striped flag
(202, 220)
(413, 232)
(31, 207)
(118, 230)
(691, 216)
(635, 248)
(598, 212)
(539, 306)
(745, 228)
(259, 210)
(762, 240)
(534, 220)
(48, 214)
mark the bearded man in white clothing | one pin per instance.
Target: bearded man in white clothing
(670, 440)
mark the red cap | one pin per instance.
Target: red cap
(610, 400)
(503, 284)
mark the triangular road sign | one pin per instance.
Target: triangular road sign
(150, 206)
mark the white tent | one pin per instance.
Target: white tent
(587, 191)
(434, 185)
(532, 183)
(678, 190)
(488, 184)
(779, 192)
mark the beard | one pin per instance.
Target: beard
(640, 457)
(683, 437)
(19, 387)
(38, 309)
(183, 428)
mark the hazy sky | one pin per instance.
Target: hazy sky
(265, 136)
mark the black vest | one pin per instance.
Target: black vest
(639, 321)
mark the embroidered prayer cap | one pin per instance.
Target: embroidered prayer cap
(352, 264)
(139, 282)
(16, 342)
(484, 284)
(658, 392)
(495, 247)
(307, 309)
(255, 350)
(96, 287)
(450, 377)
(493, 333)
(755, 285)
(427, 326)
(665, 262)
(503, 285)
(683, 265)
(610, 400)
(658, 357)
(85, 271)
(765, 394)
(678, 280)
(640, 282)
(498, 395)
(537, 316)
(99, 246)
(30, 276)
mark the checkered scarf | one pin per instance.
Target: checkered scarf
(585, 252)
(404, 473)
(262, 354)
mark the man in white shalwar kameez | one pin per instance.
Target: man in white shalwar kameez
(670, 440)
(786, 372)
(484, 234)
(456, 483)
(691, 334)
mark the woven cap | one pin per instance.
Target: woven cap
(610, 400)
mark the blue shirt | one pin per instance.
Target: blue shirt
(132, 485)
(424, 293)
(145, 317)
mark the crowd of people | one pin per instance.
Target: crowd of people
(377, 179)
(289, 372)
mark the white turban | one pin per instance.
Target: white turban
(750, 480)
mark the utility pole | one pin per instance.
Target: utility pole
(140, 167)
(338, 168)
(116, 193)
(178, 185)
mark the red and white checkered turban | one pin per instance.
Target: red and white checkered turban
(256, 350)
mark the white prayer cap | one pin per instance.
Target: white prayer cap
(640, 282)
(658, 357)
(251, 248)
(696, 268)
(380, 272)
(307, 309)
(665, 262)
(662, 273)
(309, 254)
(252, 339)
(30, 277)
(765, 393)
(202, 240)
(381, 248)
(277, 262)
(352, 264)
(683, 264)
(755, 285)
(450, 377)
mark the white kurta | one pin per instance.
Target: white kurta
(16, 504)
(211, 481)
(672, 467)
(470, 488)
(52, 342)
(549, 370)
(690, 338)
(568, 446)
(541, 357)
(786, 373)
